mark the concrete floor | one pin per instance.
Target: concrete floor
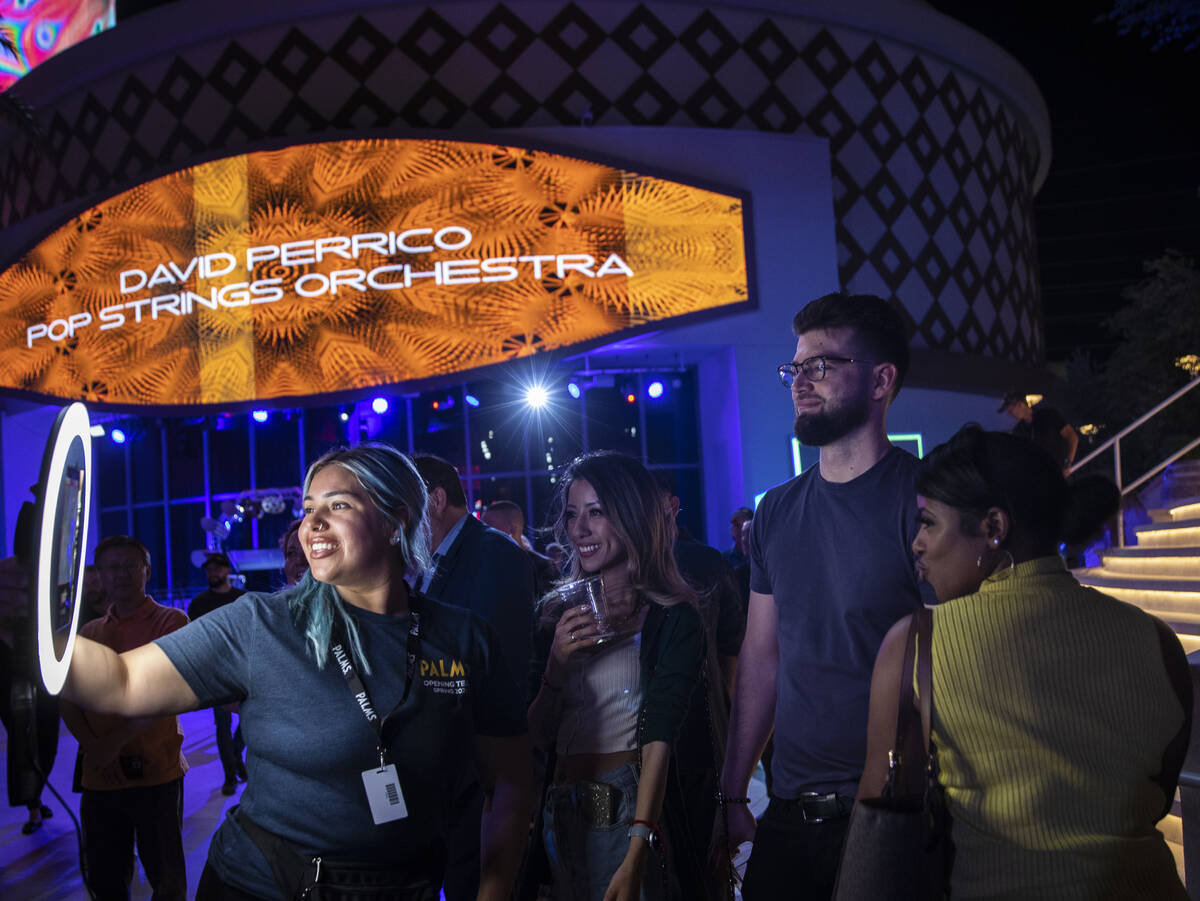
(45, 866)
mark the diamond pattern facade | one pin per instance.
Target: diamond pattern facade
(932, 169)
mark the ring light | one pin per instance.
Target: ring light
(64, 509)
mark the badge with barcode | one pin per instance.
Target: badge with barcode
(384, 794)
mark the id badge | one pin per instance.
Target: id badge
(384, 794)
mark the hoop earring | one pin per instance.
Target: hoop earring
(395, 539)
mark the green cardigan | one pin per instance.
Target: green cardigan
(672, 654)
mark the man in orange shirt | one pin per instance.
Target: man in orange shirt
(132, 768)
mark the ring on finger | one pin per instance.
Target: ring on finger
(572, 637)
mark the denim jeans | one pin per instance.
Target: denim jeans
(584, 858)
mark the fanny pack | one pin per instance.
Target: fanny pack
(303, 878)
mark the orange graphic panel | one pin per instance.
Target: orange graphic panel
(347, 265)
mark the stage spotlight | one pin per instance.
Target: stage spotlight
(380, 405)
(537, 397)
(343, 414)
(630, 398)
(97, 431)
(117, 435)
(260, 415)
(472, 400)
(573, 390)
(655, 389)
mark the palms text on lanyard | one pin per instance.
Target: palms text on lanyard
(382, 785)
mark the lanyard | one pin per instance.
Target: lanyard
(359, 691)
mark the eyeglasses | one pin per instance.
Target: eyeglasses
(814, 368)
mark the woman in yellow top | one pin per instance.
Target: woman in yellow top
(1061, 716)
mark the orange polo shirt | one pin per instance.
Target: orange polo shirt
(159, 745)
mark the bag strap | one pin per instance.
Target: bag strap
(909, 766)
(292, 871)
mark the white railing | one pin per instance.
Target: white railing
(1115, 443)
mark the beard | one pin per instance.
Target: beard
(828, 425)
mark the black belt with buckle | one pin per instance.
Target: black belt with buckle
(817, 808)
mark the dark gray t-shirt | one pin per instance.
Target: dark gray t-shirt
(837, 557)
(307, 741)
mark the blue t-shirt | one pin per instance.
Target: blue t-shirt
(837, 557)
(307, 741)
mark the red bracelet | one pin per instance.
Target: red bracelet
(653, 826)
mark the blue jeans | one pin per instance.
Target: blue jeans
(583, 858)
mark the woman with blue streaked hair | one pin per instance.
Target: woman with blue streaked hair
(365, 705)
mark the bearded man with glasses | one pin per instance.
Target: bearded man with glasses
(831, 571)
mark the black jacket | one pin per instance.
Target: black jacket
(489, 575)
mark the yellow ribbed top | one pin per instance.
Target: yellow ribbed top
(1052, 708)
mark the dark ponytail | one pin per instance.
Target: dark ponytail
(1092, 500)
(977, 470)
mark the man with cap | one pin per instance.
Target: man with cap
(1044, 426)
(219, 593)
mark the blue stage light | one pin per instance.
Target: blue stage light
(117, 435)
(472, 400)
(655, 389)
(260, 415)
(537, 397)
(380, 405)
(573, 390)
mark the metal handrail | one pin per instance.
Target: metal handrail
(1115, 443)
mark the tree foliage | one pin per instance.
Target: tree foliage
(1162, 21)
(1159, 329)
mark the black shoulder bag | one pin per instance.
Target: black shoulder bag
(897, 847)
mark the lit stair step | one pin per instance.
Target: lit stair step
(1178, 609)
(1171, 827)
(1177, 533)
(1183, 509)
(1101, 577)
(1152, 562)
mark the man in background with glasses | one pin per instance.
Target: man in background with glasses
(132, 768)
(831, 571)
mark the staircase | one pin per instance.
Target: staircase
(1162, 576)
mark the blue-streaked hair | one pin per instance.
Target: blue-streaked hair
(392, 483)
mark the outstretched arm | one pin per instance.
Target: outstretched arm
(141, 682)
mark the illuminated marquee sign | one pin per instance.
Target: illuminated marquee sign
(347, 265)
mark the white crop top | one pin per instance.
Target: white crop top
(601, 699)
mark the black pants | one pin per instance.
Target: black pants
(37, 745)
(793, 859)
(211, 888)
(114, 821)
(229, 743)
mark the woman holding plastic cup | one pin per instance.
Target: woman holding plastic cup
(620, 650)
